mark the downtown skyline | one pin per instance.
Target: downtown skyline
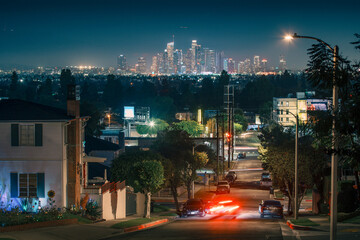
(57, 33)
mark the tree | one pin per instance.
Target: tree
(152, 127)
(277, 155)
(194, 162)
(176, 148)
(141, 170)
(191, 127)
(149, 177)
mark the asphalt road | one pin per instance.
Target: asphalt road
(242, 224)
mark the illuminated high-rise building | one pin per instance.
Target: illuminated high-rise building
(231, 66)
(170, 57)
(264, 66)
(188, 61)
(209, 60)
(178, 61)
(219, 61)
(256, 64)
(121, 63)
(247, 66)
(154, 66)
(226, 66)
(141, 65)
(241, 67)
(282, 63)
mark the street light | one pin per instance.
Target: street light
(151, 123)
(109, 117)
(334, 142)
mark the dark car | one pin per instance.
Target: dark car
(222, 189)
(231, 177)
(241, 155)
(193, 207)
(272, 208)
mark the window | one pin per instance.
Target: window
(287, 103)
(281, 103)
(281, 119)
(28, 185)
(287, 111)
(277, 111)
(287, 119)
(27, 135)
(282, 111)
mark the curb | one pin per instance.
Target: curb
(146, 225)
(297, 227)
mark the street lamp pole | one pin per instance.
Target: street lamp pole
(296, 188)
(334, 142)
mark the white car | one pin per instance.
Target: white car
(223, 187)
(265, 183)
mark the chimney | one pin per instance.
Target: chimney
(73, 100)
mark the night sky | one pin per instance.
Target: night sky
(61, 33)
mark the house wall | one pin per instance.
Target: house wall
(53, 176)
(48, 159)
(52, 149)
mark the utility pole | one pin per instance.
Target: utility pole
(217, 143)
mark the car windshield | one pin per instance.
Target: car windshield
(222, 187)
(194, 203)
(272, 203)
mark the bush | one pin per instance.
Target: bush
(93, 210)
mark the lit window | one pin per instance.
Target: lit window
(27, 185)
(287, 103)
(287, 111)
(281, 120)
(287, 119)
(281, 103)
(27, 135)
(282, 111)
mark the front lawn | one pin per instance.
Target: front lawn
(355, 220)
(160, 208)
(304, 222)
(135, 222)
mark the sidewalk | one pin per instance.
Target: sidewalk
(345, 231)
(92, 231)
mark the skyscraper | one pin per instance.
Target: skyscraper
(170, 57)
(282, 63)
(241, 67)
(247, 66)
(154, 66)
(141, 65)
(256, 64)
(231, 66)
(264, 65)
(121, 63)
(209, 60)
(219, 62)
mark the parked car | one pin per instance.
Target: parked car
(241, 155)
(265, 175)
(193, 207)
(231, 177)
(222, 189)
(266, 183)
(272, 208)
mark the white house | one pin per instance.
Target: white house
(40, 150)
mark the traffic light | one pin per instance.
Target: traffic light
(228, 137)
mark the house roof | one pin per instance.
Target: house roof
(97, 144)
(20, 110)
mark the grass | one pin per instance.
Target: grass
(135, 222)
(355, 220)
(304, 222)
(160, 208)
(80, 218)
